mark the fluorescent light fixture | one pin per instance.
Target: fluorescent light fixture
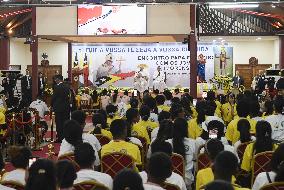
(5, 0)
(273, 6)
(220, 38)
(259, 38)
(214, 40)
(231, 6)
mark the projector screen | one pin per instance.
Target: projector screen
(102, 20)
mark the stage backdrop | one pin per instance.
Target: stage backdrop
(99, 20)
(105, 64)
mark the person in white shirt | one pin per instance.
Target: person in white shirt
(159, 79)
(2, 165)
(127, 179)
(125, 98)
(175, 179)
(73, 135)
(20, 160)
(277, 121)
(243, 127)
(80, 117)
(164, 115)
(183, 146)
(66, 174)
(84, 157)
(214, 130)
(105, 99)
(265, 178)
(42, 109)
(159, 169)
(255, 110)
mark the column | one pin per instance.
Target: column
(281, 52)
(70, 61)
(193, 52)
(4, 53)
(34, 49)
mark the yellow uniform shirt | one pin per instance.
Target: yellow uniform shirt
(140, 129)
(106, 133)
(194, 130)
(109, 120)
(206, 176)
(227, 114)
(194, 112)
(150, 125)
(164, 108)
(232, 133)
(218, 109)
(123, 147)
(248, 156)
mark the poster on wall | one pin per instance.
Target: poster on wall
(223, 60)
(102, 20)
(119, 64)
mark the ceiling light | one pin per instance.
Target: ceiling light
(220, 38)
(5, 0)
(259, 38)
(214, 40)
(231, 6)
(10, 31)
(273, 6)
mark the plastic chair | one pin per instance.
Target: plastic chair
(202, 161)
(261, 163)
(70, 157)
(102, 139)
(112, 163)
(241, 150)
(178, 164)
(89, 185)
(273, 186)
(169, 186)
(13, 184)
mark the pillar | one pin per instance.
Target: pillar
(4, 53)
(281, 52)
(34, 48)
(70, 61)
(193, 52)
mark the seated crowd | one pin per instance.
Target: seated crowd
(152, 130)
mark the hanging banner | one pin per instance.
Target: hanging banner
(223, 60)
(121, 64)
(101, 20)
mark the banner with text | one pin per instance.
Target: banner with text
(118, 64)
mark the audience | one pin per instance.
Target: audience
(42, 176)
(127, 179)
(20, 160)
(159, 169)
(84, 157)
(65, 174)
(169, 123)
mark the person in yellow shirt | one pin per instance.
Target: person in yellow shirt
(160, 99)
(111, 113)
(133, 117)
(229, 109)
(118, 129)
(262, 143)
(145, 122)
(225, 167)
(212, 97)
(232, 133)
(100, 125)
(205, 176)
(194, 125)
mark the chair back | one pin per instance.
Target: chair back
(112, 163)
(241, 150)
(169, 186)
(273, 186)
(70, 157)
(261, 163)
(89, 185)
(203, 161)
(144, 143)
(102, 139)
(178, 164)
(13, 184)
